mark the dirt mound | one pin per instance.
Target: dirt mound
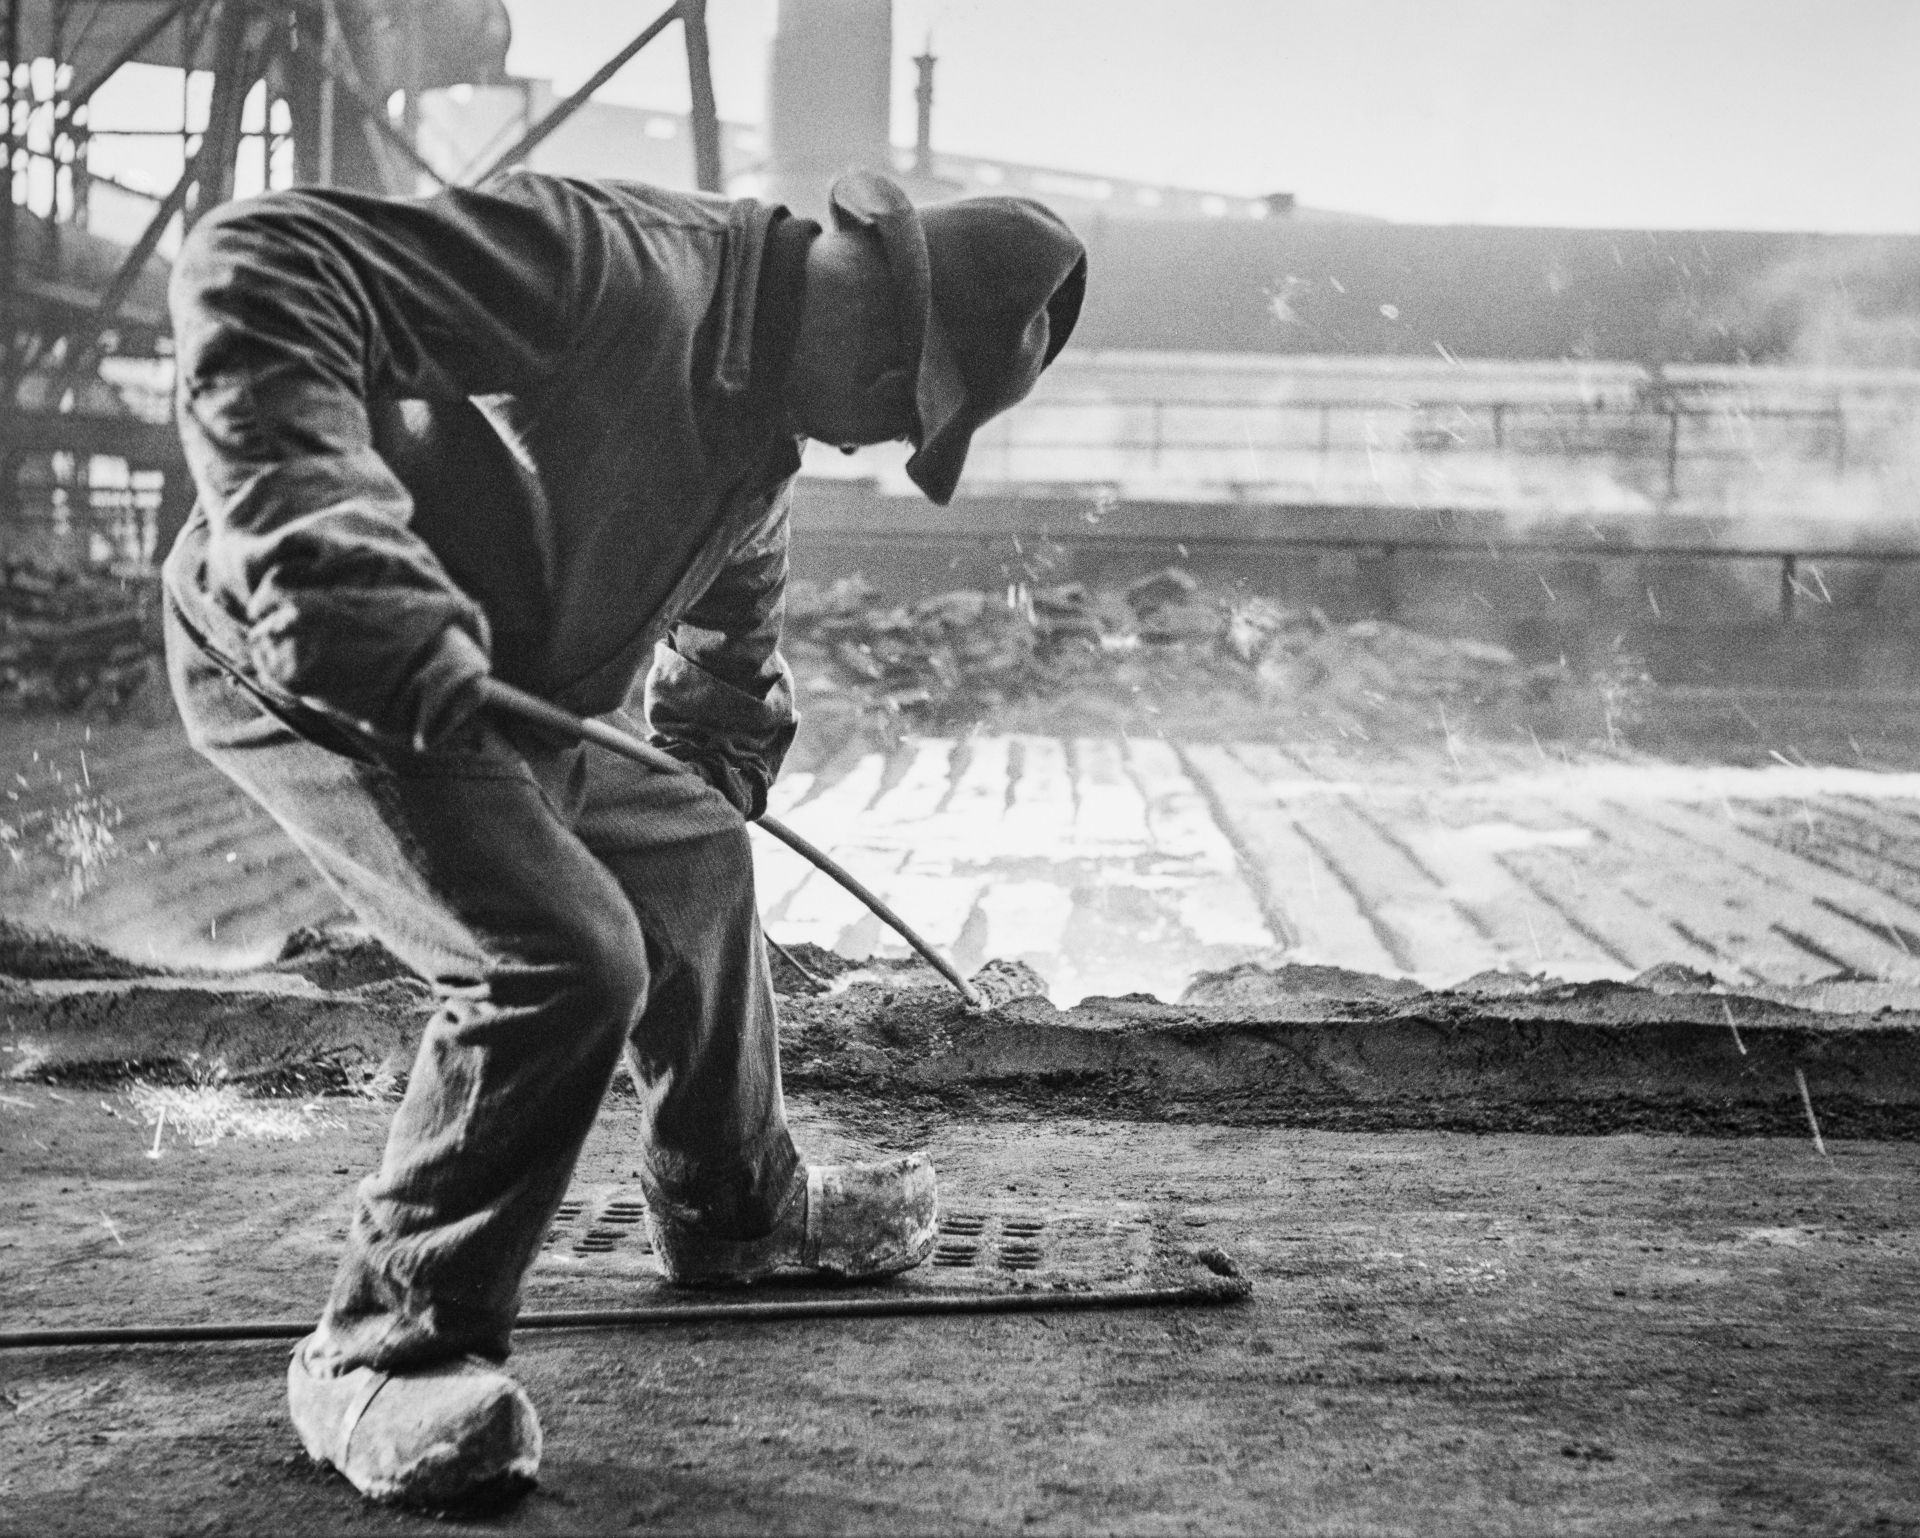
(339, 959)
(1249, 984)
(1165, 651)
(39, 954)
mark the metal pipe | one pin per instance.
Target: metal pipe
(1213, 1290)
(538, 712)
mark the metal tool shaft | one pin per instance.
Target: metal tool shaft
(538, 712)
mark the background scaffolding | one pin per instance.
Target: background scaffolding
(102, 183)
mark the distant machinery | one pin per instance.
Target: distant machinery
(295, 91)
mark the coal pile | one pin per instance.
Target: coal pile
(1167, 645)
(71, 640)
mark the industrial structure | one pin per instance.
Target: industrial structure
(271, 93)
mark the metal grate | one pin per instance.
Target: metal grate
(601, 1231)
(607, 1224)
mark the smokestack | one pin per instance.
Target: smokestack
(923, 101)
(829, 97)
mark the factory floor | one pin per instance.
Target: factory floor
(1447, 1334)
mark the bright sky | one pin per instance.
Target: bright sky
(1759, 114)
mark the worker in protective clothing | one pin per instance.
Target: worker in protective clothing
(545, 432)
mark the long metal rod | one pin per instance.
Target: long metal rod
(549, 717)
(537, 135)
(766, 1311)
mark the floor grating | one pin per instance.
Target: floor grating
(601, 1232)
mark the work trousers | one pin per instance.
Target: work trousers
(566, 905)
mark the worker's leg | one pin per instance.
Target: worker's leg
(459, 863)
(704, 1054)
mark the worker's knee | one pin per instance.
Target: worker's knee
(610, 968)
(584, 968)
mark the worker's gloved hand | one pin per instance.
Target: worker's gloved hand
(745, 792)
(444, 696)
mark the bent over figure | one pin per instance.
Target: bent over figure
(546, 432)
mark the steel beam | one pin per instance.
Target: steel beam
(235, 68)
(537, 135)
(82, 357)
(81, 95)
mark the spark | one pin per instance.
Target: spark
(1552, 596)
(1727, 1010)
(160, 1125)
(1533, 934)
(85, 776)
(108, 1224)
(1812, 1120)
(1654, 604)
(1453, 748)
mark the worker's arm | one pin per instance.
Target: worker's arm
(720, 695)
(291, 312)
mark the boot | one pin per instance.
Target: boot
(436, 1436)
(852, 1220)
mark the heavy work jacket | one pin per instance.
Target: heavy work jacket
(532, 429)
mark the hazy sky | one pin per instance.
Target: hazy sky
(1763, 114)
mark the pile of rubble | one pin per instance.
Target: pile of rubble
(957, 658)
(71, 639)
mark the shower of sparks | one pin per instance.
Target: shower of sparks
(204, 1114)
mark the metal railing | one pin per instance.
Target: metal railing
(1155, 434)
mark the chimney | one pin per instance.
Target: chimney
(923, 101)
(829, 97)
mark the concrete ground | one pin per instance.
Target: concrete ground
(1447, 1334)
(1114, 865)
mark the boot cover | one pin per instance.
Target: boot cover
(433, 1437)
(850, 1220)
